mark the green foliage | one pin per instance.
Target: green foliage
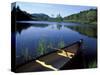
(61, 44)
(59, 18)
(20, 15)
(88, 16)
(92, 16)
(41, 47)
(40, 17)
(93, 64)
(86, 30)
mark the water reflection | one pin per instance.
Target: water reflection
(86, 30)
(59, 26)
(34, 40)
(23, 26)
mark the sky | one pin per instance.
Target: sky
(52, 9)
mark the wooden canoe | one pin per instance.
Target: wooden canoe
(52, 61)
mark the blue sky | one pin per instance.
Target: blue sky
(52, 9)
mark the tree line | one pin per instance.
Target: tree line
(87, 16)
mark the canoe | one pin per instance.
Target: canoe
(52, 61)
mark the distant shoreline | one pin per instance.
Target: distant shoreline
(53, 22)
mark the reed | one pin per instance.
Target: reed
(61, 44)
(41, 47)
(93, 64)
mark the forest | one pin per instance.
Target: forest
(86, 16)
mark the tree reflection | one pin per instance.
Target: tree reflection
(90, 31)
(21, 26)
(59, 26)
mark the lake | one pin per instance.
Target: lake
(34, 38)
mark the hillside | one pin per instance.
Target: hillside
(40, 17)
(87, 16)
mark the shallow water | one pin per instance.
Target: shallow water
(29, 35)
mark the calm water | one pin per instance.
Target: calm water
(30, 35)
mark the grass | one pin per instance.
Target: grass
(41, 47)
(92, 64)
(61, 44)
